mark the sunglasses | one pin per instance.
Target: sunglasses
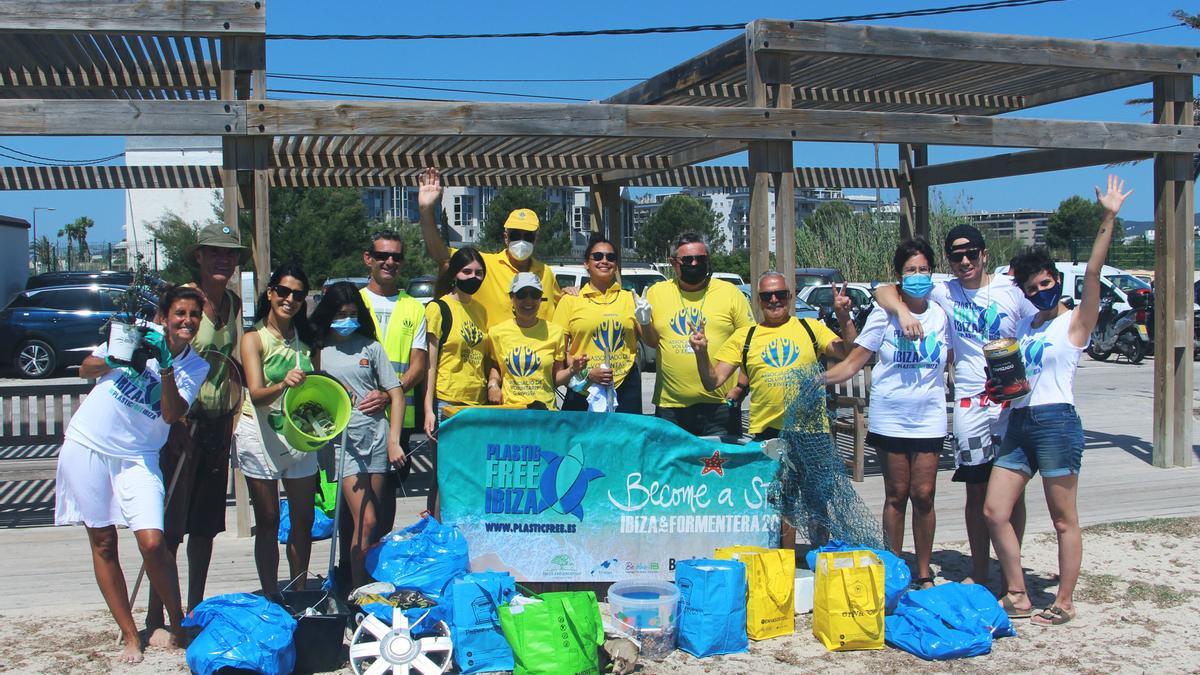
(602, 255)
(521, 235)
(528, 294)
(768, 296)
(381, 256)
(282, 292)
(690, 260)
(957, 256)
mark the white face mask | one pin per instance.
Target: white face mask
(520, 250)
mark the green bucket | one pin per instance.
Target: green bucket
(326, 392)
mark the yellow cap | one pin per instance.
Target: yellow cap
(522, 219)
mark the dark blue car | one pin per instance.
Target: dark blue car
(45, 329)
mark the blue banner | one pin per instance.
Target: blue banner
(573, 496)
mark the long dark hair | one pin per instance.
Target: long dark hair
(263, 306)
(341, 293)
(461, 258)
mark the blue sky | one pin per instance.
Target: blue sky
(627, 57)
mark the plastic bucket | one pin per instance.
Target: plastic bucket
(645, 611)
(123, 339)
(804, 591)
(326, 392)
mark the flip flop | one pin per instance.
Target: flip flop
(1013, 611)
(919, 584)
(1052, 616)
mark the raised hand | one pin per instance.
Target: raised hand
(841, 301)
(1115, 196)
(641, 310)
(429, 195)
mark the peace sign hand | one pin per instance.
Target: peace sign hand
(841, 301)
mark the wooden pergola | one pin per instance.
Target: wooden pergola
(197, 67)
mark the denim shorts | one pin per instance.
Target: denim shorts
(1046, 438)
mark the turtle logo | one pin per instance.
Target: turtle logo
(987, 324)
(523, 362)
(610, 336)
(780, 353)
(565, 481)
(930, 348)
(470, 333)
(1033, 351)
(685, 320)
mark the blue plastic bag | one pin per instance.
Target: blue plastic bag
(474, 599)
(896, 575)
(322, 527)
(423, 557)
(712, 606)
(244, 631)
(950, 621)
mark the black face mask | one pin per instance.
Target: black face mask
(468, 286)
(693, 274)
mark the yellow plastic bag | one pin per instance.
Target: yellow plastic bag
(770, 583)
(848, 600)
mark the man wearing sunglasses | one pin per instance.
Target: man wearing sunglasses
(520, 235)
(400, 325)
(694, 301)
(982, 307)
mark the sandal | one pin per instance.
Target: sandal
(1013, 611)
(919, 584)
(1052, 616)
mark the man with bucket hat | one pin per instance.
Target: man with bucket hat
(520, 234)
(981, 307)
(196, 508)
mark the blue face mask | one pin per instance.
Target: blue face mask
(345, 326)
(917, 285)
(1047, 298)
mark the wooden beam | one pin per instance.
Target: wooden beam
(745, 124)
(1086, 87)
(108, 177)
(282, 157)
(1174, 243)
(829, 39)
(727, 56)
(704, 153)
(1020, 164)
(189, 17)
(988, 102)
(48, 117)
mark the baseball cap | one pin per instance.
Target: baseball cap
(522, 219)
(525, 280)
(973, 236)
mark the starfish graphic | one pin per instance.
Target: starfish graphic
(713, 464)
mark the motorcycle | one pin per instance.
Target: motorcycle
(1118, 331)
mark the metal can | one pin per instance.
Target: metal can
(1006, 369)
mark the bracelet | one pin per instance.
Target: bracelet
(168, 370)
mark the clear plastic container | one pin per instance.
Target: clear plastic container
(646, 611)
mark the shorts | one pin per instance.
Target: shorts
(699, 419)
(1046, 438)
(99, 490)
(900, 445)
(366, 448)
(979, 424)
(263, 454)
(973, 474)
(197, 504)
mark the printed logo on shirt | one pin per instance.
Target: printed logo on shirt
(1033, 350)
(923, 353)
(141, 393)
(980, 323)
(409, 325)
(780, 353)
(610, 336)
(364, 363)
(686, 320)
(523, 362)
(470, 333)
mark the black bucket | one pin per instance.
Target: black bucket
(319, 637)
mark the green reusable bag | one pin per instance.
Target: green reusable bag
(327, 492)
(558, 636)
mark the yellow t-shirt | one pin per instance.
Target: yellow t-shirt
(461, 374)
(526, 358)
(721, 307)
(493, 294)
(774, 352)
(601, 325)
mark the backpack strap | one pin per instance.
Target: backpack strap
(447, 319)
(808, 329)
(746, 349)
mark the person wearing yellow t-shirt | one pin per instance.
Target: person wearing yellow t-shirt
(530, 354)
(600, 324)
(680, 306)
(456, 339)
(520, 235)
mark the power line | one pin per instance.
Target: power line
(466, 79)
(1139, 32)
(331, 80)
(38, 159)
(377, 96)
(930, 11)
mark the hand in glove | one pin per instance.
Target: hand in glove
(156, 343)
(641, 310)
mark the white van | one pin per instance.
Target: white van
(1115, 283)
(636, 279)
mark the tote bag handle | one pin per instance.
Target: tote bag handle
(781, 584)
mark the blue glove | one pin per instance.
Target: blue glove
(157, 344)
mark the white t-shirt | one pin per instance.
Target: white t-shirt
(122, 416)
(1050, 361)
(977, 317)
(383, 306)
(908, 384)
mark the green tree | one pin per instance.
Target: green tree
(737, 262)
(553, 238)
(175, 235)
(1073, 225)
(45, 254)
(416, 259)
(677, 214)
(76, 232)
(325, 230)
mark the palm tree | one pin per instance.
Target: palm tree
(77, 232)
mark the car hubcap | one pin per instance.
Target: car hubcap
(34, 360)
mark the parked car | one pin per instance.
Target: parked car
(1125, 290)
(636, 279)
(421, 288)
(818, 276)
(803, 310)
(315, 298)
(731, 277)
(107, 277)
(46, 329)
(821, 297)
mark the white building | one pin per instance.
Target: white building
(145, 207)
(1025, 226)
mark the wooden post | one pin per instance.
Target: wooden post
(785, 202)
(1174, 206)
(908, 196)
(920, 192)
(612, 215)
(764, 69)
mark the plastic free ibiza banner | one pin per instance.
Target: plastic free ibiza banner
(569, 496)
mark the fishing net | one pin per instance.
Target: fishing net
(812, 488)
